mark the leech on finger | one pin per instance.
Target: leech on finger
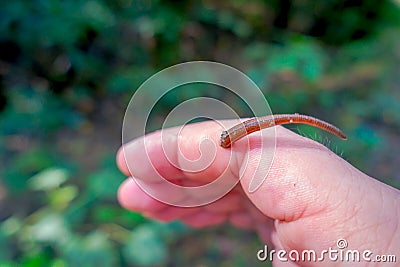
(256, 124)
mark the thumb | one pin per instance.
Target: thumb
(318, 198)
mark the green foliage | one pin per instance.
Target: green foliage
(68, 69)
(48, 179)
(95, 249)
(145, 248)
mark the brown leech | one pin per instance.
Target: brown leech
(256, 124)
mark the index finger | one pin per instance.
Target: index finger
(189, 155)
(175, 153)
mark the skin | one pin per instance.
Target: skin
(310, 199)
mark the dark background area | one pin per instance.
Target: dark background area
(69, 68)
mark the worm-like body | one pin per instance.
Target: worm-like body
(256, 124)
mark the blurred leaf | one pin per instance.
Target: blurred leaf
(5, 247)
(226, 19)
(303, 57)
(61, 197)
(48, 179)
(112, 213)
(11, 226)
(92, 250)
(40, 113)
(145, 248)
(256, 51)
(59, 263)
(131, 219)
(368, 136)
(103, 214)
(105, 183)
(128, 79)
(97, 14)
(36, 260)
(170, 231)
(51, 227)
(24, 165)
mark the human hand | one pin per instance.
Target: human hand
(310, 199)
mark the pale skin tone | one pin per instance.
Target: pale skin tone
(310, 199)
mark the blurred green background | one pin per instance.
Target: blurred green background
(69, 68)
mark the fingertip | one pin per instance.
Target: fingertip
(123, 194)
(131, 197)
(121, 161)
